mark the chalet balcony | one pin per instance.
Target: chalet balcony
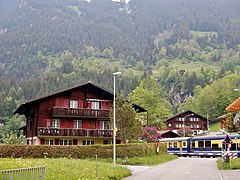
(44, 131)
(72, 112)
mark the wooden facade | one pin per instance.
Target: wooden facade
(76, 116)
(197, 123)
(225, 120)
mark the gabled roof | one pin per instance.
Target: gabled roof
(235, 106)
(166, 131)
(224, 116)
(185, 112)
(87, 85)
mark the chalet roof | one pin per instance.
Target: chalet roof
(87, 84)
(235, 106)
(166, 131)
(224, 116)
(185, 112)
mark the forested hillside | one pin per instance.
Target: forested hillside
(49, 45)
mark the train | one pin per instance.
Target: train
(203, 146)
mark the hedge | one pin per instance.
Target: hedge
(82, 152)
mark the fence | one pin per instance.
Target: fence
(35, 173)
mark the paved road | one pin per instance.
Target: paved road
(183, 169)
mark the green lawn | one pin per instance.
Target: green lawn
(64, 168)
(148, 160)
(215, 127)
(234, 164)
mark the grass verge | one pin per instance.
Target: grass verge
(149, 160)
(215, 127)
(146, 160)
(234, 164)
(64, 168)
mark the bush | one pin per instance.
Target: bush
(82, 152)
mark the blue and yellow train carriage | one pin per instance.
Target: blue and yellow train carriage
(178, 146)
(202, 146)
(213, 145)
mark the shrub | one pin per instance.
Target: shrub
(82, 152)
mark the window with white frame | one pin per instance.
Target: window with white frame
(88, 142)
(74, 104)
(77, 124)
(104, 125)
(195, 119)
(56, 123)
(65, 142)
(49, 141)
(180, 119)
(95, 105)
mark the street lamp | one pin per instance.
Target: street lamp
(207, 117)
(114, 119)
(184, 123)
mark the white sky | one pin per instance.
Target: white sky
(127, 1)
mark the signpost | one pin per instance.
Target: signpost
(227, 141)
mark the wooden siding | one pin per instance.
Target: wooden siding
(74, 112)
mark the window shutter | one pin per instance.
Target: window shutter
(75, 141)
(56, 141)
(48, 124)
(42, 141)
(80, 104)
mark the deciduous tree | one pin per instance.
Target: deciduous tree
(151, 96)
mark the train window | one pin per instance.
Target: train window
(233, 147)
(193, 144)
(200, 144)
(224, 146)
(170, 144)
(184, 143)
(207, 143)
(175, 144)
(214, 147)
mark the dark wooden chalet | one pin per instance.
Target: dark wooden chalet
(197, 123)
(75, 116)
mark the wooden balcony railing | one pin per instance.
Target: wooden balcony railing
(44, 131)
(72, 112)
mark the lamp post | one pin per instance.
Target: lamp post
(207, 117)
(114, 119)
(184, 123)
